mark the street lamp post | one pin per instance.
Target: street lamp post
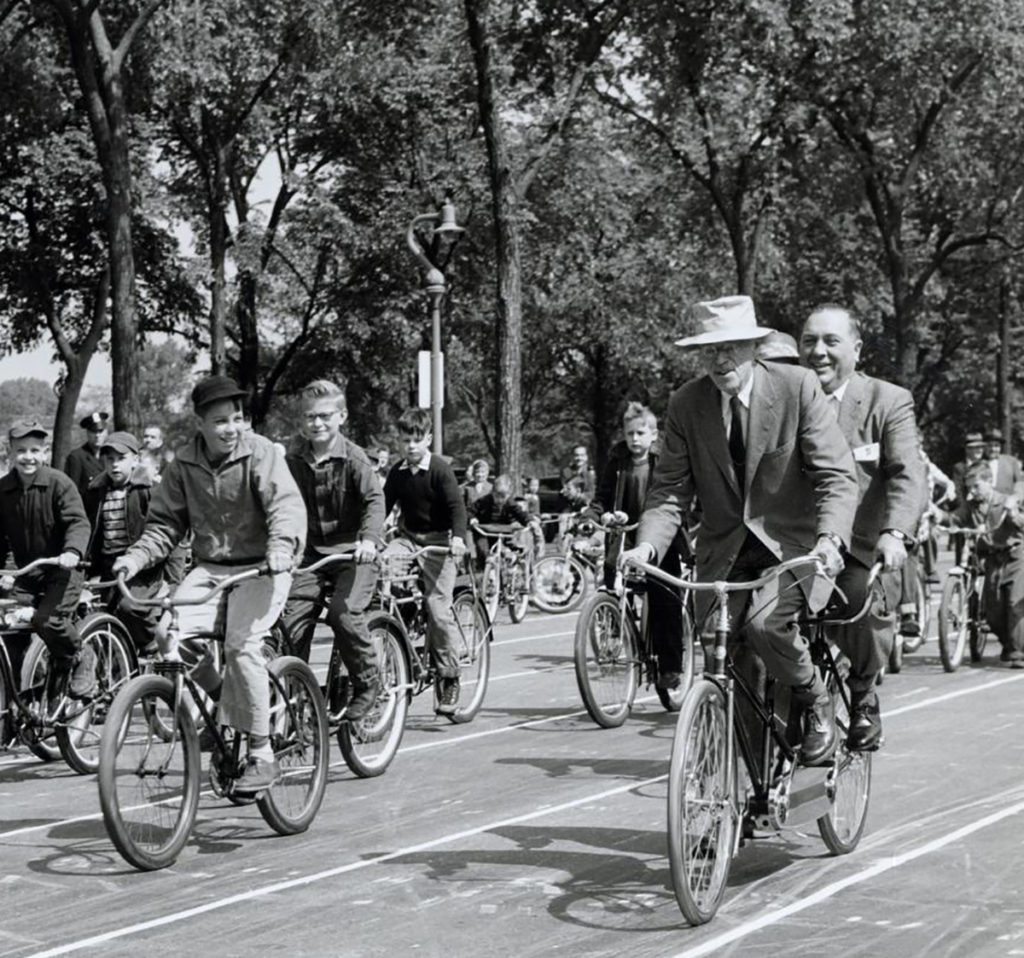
(434, 285)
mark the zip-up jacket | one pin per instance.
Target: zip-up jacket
(42, 519)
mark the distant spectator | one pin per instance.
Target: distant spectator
(382, 463)
(154, 455)
(84, 463)
(476, 485)
(532, 496)
(578, 479)
(779, 348)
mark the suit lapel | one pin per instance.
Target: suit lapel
(850, 408)
(763, 416)
(710, 413)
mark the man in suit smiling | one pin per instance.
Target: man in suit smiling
(877, 420)
(757, 445)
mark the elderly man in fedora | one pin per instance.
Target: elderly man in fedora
(84, 463)
(757, 445)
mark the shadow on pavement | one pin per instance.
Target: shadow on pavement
(640, 769)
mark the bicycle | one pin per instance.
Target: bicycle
(904, 644)
(560, 580)
(962, 609)
(37, 711)
(708, 817)
(613, 651)
(508, 573)
(150, 763)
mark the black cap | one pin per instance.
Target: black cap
(213, 389)
(122, 442)
(27, 427)
(994, 435)
(95, 421)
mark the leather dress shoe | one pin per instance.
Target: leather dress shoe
(865, 734)
(819, 741)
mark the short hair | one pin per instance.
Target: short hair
(153, 426)
(637, 410)
(502, 483)
(835, 307)
(324, 389)
(415, 421)
(978, 470)
(580, 445)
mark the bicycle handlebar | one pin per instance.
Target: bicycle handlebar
(722, 587)
(873, 574)
(496, 530)
(328, 560)
(962, 531)
(34, 564)
(170, 602)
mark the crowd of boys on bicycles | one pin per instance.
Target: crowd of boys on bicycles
(783, 448)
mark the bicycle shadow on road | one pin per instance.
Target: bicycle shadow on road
(626, 768)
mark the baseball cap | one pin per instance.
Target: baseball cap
(122, 442)
(27, 427)
(213, 389)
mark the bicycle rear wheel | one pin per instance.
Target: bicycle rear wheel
(473, 650)
(299, 737)
(41, 738)
(849, 785)
(702, 813)
(953, 622)
(149, 787)
(559, 584)
(370, 743)
(606, 660)
(81, 726)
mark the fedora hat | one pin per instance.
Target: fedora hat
(725, 320)
(974, 439)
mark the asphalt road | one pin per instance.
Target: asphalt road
(531, 832)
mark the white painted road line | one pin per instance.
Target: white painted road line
(532, 638)
(255, 893)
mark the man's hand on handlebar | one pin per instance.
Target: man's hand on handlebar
(68, 560)
(831, 561)
(124, 567)
(617, 518)
(458, 547)
(642, 552)
(891, 551)
(280, 561)
(365, 552)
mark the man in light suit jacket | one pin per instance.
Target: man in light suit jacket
(756, 444)
(1007, 475)
(877, 419)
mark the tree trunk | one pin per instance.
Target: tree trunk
(1004, 392)
(504, 202)
(249, 346)
(67, 402)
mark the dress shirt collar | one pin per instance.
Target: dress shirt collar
(422, 465)
(743, 395)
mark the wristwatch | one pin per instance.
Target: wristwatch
(896, 534)
(833, 538)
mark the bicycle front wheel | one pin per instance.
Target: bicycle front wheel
(149, 785)
(848, 785)
(702, 813)
(490, 590)
(473, 650)
(605, 655)
(559, 584)
(81, 726)
(299, 737)
(39, 736)
(519, 593)
(953, 622)
(370, 743)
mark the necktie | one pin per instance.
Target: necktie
(833, 404)
(737, 448)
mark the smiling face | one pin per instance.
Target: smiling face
(28, 453)
(221, 425)
(730, 365)
(322, 420)
(829, 347)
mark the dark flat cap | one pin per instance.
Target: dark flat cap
(994, 435)
(213, 389)
(122, 442)
(974, 439)
(95, 421)
(27, 427)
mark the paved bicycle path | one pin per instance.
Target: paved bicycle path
(532, 832)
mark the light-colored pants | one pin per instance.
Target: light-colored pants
(249, 610)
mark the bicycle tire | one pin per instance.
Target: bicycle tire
(473, 649)
(954, 622)
(370, 743)
(559, 584)
(80, 731)
(301, 743)
(849, 782)
(702, 814)
(132, 760)
(519, 603)
(606, 661)
(977, 629)
(895, 662)
(35, 667)
(490, 590)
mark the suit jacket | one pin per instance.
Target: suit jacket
(877, 420)
(82, 466)
(1009, 475)
(801, 479)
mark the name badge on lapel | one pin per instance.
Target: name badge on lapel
(867, 453)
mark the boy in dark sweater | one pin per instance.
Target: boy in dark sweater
(620, 501)
(432, 513)
(345, 507)
(42, 516)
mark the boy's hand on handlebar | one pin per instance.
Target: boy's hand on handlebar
(458, 547)
(642, 552)
(68, 560)
(6, 583)
(366, 552)
(831, 561)
(280, 561)
(124, 567)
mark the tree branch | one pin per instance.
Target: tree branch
(136, 26)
